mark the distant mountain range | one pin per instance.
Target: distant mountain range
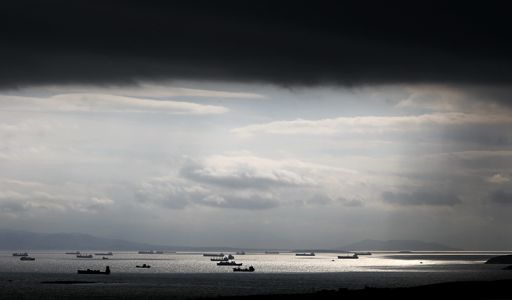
(396, 245)
(25, 240)
(18, 240)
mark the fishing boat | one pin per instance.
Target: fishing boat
(143, 266)
(228, 263)
(84, 256)
(20, 254)
(89, 271)
(104, 258)
(27, 258)
(240, 253)
(250, 269)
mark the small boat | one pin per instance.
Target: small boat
(20, 254)
(104, 258)
(354, 256)
(84, 256)
(228, 263)
(73, 253)
(363, 253)
(104, 254)
(27, 258)
(231, 257)
(305, 254)
(240, 253)
(213, 254)
(271, 252)
(225, 258)
(89, 271)
(250, 269)
(144, 266)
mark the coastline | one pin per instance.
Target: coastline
(497, 289)
(91, 287)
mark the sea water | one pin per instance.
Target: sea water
(190, 274)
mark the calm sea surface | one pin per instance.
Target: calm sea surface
(191, 274)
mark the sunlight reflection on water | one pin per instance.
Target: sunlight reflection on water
(190, 275)
(125, 262)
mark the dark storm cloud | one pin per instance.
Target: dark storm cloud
(296, 42)
(501, 197)
(420, 198)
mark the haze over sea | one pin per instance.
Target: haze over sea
(190, 274)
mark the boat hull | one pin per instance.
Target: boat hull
(93, 272)
(305, 254)
(235, 264)
(26, 258)
(20, 254)
(242, 270)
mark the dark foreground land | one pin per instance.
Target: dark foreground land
(500, 289)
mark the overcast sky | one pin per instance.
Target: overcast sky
(257, 126)
(197, 163)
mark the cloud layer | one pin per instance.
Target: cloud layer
(243, 181)
(420, 198)
(88, 102)
(20, 197)
(283, 43)
(371, 124)
(501, 197)
(391, 162)
(247, 171)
